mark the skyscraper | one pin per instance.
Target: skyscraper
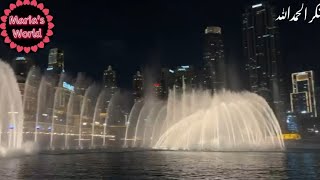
(303, 96)
(214, 60)
(109, 79)
(56, 61)
(184, 76)
(21, 66)
(157, 90)
(262, 53)
(138, 90)
(167, 81)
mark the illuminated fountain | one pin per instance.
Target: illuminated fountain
(224, 122)
(57, 115)
(11, 111)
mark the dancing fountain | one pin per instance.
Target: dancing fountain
(58, 115)
(11, 111)
(196, 120)
(225, 122)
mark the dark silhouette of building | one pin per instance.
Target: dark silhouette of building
(22, 66)
(262, 52)
(138, 90)
(167, 80)
(185, 77)
(214, 60)
(56, 61)
(109, 79)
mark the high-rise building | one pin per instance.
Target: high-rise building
(214, 59)
(157, 90)
(178, 78)
(21, 66)
(262, 53)
(184, 77)
(109, 79)
(292, 122)
(138, 90)
(303, 96)
(56, 61)
(167, 81)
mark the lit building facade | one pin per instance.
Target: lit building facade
(178, 78)
(138, 86)
(262, 52)
(109, 79)
(56, 61)
(184, 77)
(21, 66)
(167, 81)
(292, 122)
(157, 90)
(214, 60)
(303, 96)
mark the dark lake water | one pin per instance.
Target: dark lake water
(164, 165)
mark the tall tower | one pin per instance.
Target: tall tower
(21, 66)
(56, 61)
(184, 75)
(109, 79)
(138, 86)
(214, 60)
(303, 96)
(262, 53)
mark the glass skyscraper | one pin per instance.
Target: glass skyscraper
(56, 61)
(138, 86)
(109, 79)
(303, 96)
(214, 60)
(262, 53)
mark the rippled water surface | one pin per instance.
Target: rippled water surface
(164, 165)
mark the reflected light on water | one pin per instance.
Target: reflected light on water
(165, 165)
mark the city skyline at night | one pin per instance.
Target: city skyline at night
(130, 40)
(161, 89)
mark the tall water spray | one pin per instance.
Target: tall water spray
(224, 122)
(11, 110)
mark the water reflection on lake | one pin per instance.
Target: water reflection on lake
(165, 165)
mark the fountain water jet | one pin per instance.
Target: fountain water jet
(11, 110)
(225, 122)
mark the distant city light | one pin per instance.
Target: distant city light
(44, 114)
(185, 67)
(156, 84)
(68, 86)
(20, 59)
(303, 112)
(170, 70)
(13, 112)
(49, 68)
(181, 69)
(301, 73)
(257, 5)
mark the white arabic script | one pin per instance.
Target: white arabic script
(285, 14)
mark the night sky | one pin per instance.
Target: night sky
(133, 34)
